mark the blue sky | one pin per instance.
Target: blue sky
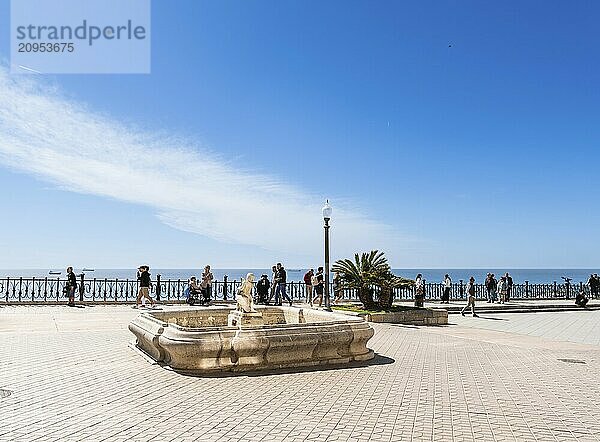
(448, 134)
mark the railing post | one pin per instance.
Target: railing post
(568, 290)
(554, 288)
(225, 288)
(81, 287)
(7, 285)
(20, 285)
(527, 289)
(461, 289)
(33, 289)
(158, 287)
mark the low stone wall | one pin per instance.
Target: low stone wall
(412, 317)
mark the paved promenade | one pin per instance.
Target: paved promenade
(68, 375)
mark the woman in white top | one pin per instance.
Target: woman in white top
(447, 288)
(502, 289)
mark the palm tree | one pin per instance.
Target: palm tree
(370, 274)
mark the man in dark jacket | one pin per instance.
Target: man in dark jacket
(144, 291)
(280, 291)
(319, 286)
(71, 286)
(594, 284)
(509, 281)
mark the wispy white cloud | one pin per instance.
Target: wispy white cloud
(191, 189)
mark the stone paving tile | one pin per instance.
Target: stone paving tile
(74, 378)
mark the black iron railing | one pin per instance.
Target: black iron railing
(50, 290)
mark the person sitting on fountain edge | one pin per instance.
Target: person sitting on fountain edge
(581, 300)
(262, 289)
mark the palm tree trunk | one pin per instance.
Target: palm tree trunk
(365, 295)
(386, 298)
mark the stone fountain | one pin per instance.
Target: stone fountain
(213, 339)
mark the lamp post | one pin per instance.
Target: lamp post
(326, 218)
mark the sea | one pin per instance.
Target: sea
(534, 276)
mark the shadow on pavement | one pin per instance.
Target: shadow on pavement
(420, 326)
(377, 360)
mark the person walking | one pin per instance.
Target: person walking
(144, 291)
(71, 286)
(273, 283)
(262, 289)
(471, 298)
(337, 288)
(206, 284)
(308, 285)
(447, 288)
(318, 286)
(280, 291)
